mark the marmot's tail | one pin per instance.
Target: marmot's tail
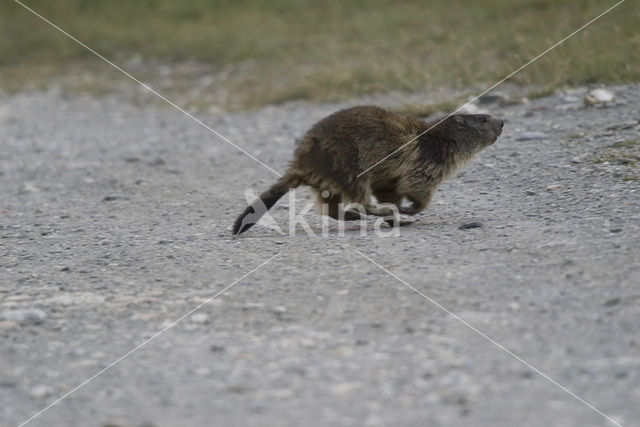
(264, 202)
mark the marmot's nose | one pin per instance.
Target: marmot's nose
(501, 123)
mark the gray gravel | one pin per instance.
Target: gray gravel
(115, 223)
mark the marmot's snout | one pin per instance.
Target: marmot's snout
(490, 126)
(497, 125)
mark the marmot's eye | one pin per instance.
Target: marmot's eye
(483, 119)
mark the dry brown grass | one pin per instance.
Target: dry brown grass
(281, 50)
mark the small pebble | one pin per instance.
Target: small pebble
(345, 388)
(570, 98)
(470, 225)
(29, 187)
(347, 328)
(279, 309)
(238, 389)
(494, 98)
(612, 302)
(6, 324)
(215, 348)
(623, 125)
(531, 136)
(40, 391)
(8, 382)
(202, 371)
(24, 316)
(115, 424)
(554, 187)
(157, 162)
(472, 109)
(343, 351)
(307, 343)
(624, 161)
(200, 317)
(531, 193)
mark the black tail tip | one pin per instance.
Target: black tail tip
(239, 228)
(243, 222)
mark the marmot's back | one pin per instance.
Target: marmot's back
(341, 146)
(367, 125)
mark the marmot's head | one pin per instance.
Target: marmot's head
(473, 131)
(459, 137)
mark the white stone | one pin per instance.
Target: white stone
(598, 96)
(40, 391)
(200, 317)
(531, 136)
(472, 109)
(24, 316)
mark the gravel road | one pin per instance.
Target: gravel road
(114, 223)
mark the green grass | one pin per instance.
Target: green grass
(627, 143)
(542, 92)
(625, 153)
(270, 52)
(618, 158)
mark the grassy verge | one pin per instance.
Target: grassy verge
(625, 153)
(250, 53)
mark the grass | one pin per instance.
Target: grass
(617, 158)
(542, 92)
(625, 153)
(321, 50)
(627, 143)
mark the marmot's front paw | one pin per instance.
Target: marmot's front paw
(400, 221)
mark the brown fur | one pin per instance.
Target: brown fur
(341, 146)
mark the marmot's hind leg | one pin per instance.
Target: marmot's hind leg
(381, 210)
(332, 207)
(418, 203)
(388, 195)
